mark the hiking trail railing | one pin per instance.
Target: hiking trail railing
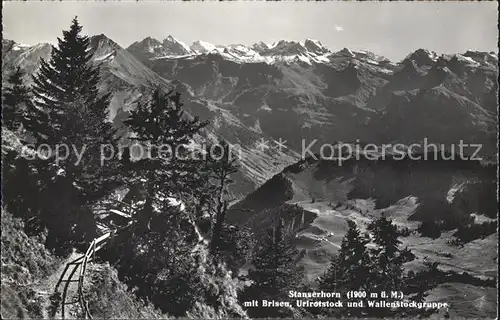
(80, 264)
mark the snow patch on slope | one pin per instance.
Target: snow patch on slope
(203, 47)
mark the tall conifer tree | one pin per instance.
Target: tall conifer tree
(386, 255)
(276, 272)
(16, 100)
(68, 109)
(220, 164)
(349, 270)
(166, 168)
(69, 112)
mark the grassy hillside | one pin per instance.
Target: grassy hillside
(24, 262)
(30, 273)
(459, 196)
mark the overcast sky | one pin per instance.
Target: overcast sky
(392, 29)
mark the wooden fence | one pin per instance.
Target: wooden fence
(68, 276)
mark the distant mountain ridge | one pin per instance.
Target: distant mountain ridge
(298, 92)
(283, 50)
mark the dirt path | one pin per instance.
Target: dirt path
(45, 288)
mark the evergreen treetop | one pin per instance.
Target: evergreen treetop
(220, 164)
(387, 257)
(167, 170)
(275, 271)
(350, 269)
(68, 115)
(16, 100)
(66, 91)
(375, 269)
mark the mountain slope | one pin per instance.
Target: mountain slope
(129, 81)
(317, 94)
(150, 48)
(405, 191)
(301, 93)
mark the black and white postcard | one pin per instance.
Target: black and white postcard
(249, 159)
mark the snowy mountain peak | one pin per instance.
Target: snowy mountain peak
(315, 46)
(260, 46)
(308, 48)
(285, 48)
(153, 48)
(174, 47)
(102, 41)
(202, 47)
(482, 57)
(408, 69)
(170, 38)
(345, 52)
(150, 40)
(239, 49)
(423, 57)
(148, 43)
(20, 46)
(104, 47)
(307, 51)
(12, 45)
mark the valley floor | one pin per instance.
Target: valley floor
(322, 238)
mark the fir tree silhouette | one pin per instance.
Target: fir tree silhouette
(69, 111)
(16, 100)
(168, 170)
(220, 164)
(349, 270)
(275, 272)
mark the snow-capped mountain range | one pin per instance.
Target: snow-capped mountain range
(306, 51)
(298, 91)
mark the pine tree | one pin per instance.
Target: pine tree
(386, 256)
(66, 88)
(157, 256)
(235, 247)
(68, 108)
(159, 263)
(220, 164)
(171, 267)
(276, 272)
(21, 194)
(69, 111)
(349, 269)
(387, 272)
(167, 169)
(377, 269)
(16, 100)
